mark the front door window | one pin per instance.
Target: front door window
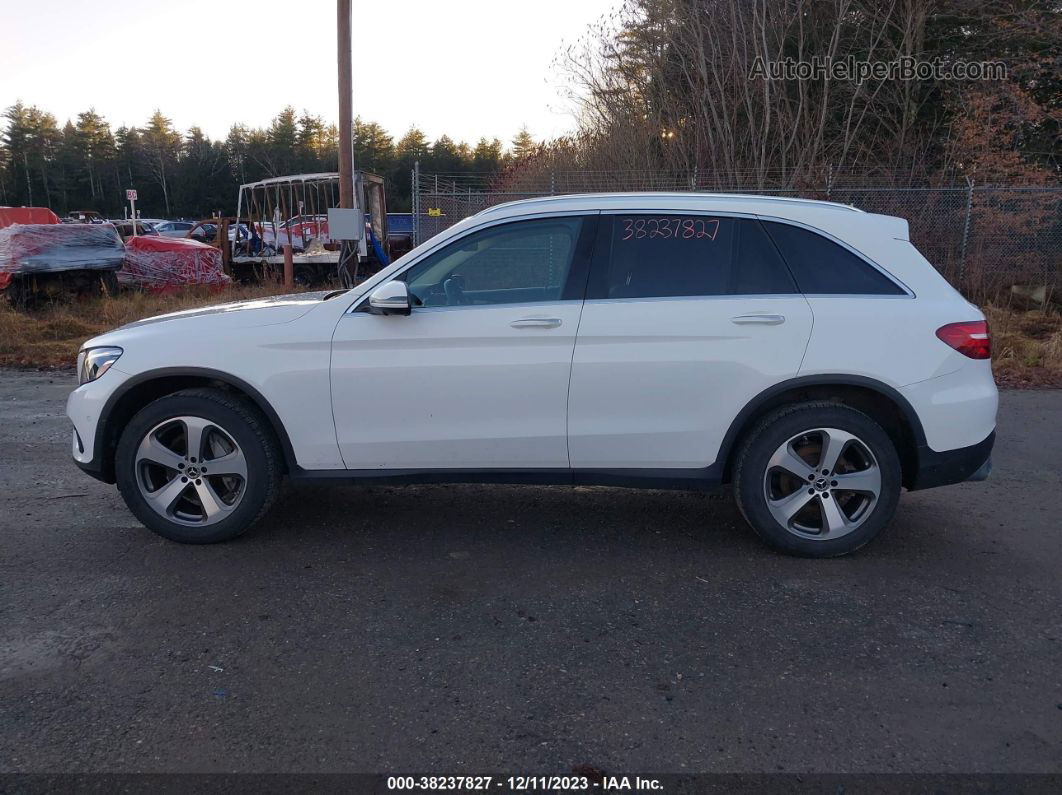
(522, 262)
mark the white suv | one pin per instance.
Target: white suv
(804, 351)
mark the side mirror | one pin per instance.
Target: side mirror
(390, 298)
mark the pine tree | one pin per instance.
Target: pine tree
(412, 146)
(95, 148)
(487, 156)
(309, 141)
(523, 144)
(236, 150)
(17, 141)
(373, 148)
(162, 145)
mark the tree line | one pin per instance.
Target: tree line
(659, 86)
(85, 164)
(672, 85)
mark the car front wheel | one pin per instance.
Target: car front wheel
(818, 479)
(198, 466)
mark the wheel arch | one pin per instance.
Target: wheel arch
(882, 402)
(138, 391)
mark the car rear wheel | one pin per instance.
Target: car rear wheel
(818, 479)
(198, 466)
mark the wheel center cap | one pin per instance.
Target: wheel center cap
(192, 471)
(822, 484)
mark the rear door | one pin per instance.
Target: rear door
(687, 318)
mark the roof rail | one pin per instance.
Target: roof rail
(671, 194)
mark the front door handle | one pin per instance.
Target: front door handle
(758, 318)
(536, 322)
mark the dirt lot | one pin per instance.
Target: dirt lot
(488, 629)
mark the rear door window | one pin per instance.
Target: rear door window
(654, 256)
(822, 267)
(758, 268)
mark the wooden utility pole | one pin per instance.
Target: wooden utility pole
(289, 267)
(346, 103)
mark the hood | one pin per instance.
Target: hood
(254, 312)
(213, 320)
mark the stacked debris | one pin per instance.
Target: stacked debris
(160, 264)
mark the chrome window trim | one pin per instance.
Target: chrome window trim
(727, 297)
(529, 305)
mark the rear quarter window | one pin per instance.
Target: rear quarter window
(822, 267)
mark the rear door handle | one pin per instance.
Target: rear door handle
(760, 319)
(536, 322)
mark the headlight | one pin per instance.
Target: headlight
(94, 362)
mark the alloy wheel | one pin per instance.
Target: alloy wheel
(822, 484)
(191, 471)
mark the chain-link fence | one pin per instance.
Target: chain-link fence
(983, 238)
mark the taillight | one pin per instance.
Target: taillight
(971, 338)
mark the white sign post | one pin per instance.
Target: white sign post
(131, 196)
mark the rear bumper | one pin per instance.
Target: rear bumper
(953, 466)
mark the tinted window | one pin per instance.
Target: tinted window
(758, 269)
(511, 263)
(823, 267)
(692, 255)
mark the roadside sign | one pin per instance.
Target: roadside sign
(130, 194)
(435, 212)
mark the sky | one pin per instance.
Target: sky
(465, 68)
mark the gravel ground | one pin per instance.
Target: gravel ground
(526, 630)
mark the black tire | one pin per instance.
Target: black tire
(304, 276)
(770, 434)
(240, 420)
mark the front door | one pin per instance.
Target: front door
(687, 318)
(476, 377)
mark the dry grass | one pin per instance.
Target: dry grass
(1026, 346)
(49, 336)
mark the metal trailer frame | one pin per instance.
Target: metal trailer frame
(260, 204)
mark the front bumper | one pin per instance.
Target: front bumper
(85, 408)
(953, 466)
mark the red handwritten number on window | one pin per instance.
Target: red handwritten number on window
(648, 227)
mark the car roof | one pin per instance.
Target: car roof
(734, 202)
(840, 220)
